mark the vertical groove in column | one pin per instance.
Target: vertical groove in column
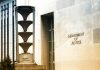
(1, 33)
(13, 29)
(16, 32)
(8, 30)
(4, 31)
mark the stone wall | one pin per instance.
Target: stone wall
(72, 18)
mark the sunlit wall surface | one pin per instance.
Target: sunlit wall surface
(76, 32)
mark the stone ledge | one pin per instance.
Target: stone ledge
(29, 67)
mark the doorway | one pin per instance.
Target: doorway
(48, 57)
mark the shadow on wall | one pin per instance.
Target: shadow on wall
(6, 64)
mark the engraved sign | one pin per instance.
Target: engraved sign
(75, 37)
(26, 58)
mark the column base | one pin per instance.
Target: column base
(26, 58)
(20, 66)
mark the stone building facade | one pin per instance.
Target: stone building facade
(67, 35)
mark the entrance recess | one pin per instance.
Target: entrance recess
(48, 40)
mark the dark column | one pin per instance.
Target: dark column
(4, 31)
(1, 33)
(13, 29)
(8, 30)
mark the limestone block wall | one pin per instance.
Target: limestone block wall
(81, 17)
(76, 33)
